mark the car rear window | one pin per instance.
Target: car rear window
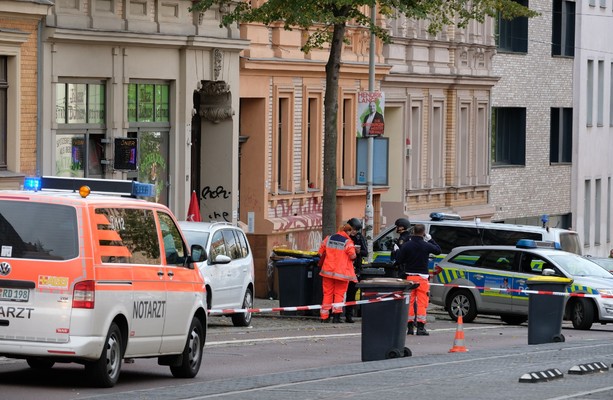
(38, 231)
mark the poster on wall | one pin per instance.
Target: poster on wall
(125, 154)
(371, 121)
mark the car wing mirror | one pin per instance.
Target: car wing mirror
(221, 259)
(548, 272)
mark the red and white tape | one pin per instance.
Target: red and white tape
(528, 291)
(398, 296)
(385, 297)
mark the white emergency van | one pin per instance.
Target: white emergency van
(96, 279)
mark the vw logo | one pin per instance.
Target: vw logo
(5, 268)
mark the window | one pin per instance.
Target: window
(312, 147)
(600, 93)
(590, 93)
(218, 246)
(80, 112)
(563, 28)
(512, 34)
(127, 236)
(148, 102)
(283, 147)
(597, 209)
(38, 231)
(509, 136)
(174, 248)
(4, 86)
(561, 135)
(587, 211)
(148, 114)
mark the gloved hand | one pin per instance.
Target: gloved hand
(396, 248)
(427, 237)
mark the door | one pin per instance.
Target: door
(495, 272)
(529, 266)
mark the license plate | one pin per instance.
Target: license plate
(7, 294)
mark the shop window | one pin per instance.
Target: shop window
(4, 85)
(80, 112)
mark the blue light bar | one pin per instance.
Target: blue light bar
(32, 183)
(438, 216)
(537, 244)
(142, 189)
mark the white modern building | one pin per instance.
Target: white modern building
(592, 168)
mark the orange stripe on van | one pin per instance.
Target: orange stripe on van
(101, 219)
(108, 235)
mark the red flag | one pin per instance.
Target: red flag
(193, 212)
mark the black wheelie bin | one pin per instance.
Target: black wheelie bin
(545, 311)
(384, 324)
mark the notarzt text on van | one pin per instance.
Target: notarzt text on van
(149, 309)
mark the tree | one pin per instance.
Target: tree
(326, 21)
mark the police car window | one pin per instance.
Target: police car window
(533, 264)
(38, 231)
(468, 258)
(503, 260)
(218, 246)
(127, 235)
(449, 237)
(174, 248)
(386, 242)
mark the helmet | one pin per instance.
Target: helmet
(403, 222)
(355, 224)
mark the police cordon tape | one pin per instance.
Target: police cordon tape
(386, 297)
(398, 296)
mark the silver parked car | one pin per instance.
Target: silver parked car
(228, 272)
(491, 268)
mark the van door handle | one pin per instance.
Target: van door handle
(160, 273)
(171, 274)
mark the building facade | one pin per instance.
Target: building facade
(591, 194)
(532, 107)
(142, 89)
(281, 123)
(20, 35)
(437, 115)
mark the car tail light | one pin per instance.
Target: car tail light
(84, 295)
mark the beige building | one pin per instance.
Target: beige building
(20, 33)
(142, 89)
(437, 116)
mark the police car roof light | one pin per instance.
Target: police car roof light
(536, 244)
(438, 216)
(32, 183)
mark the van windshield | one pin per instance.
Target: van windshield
(38, 231)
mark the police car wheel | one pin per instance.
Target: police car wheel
(192, 353)
(582, 314)
(104, 372)
(462, 301)
(40, 363)
(244, 319)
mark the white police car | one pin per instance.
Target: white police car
(489, 269)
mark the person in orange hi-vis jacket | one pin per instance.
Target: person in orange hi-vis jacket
(336, 255)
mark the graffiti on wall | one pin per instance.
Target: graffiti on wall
(291, 214)
(214, 207)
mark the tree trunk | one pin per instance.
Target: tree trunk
(333, 66)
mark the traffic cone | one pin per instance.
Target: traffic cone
(458, 342)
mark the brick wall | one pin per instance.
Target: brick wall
(28, 90)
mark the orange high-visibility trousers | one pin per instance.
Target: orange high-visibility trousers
(419, 295)
(334, 292)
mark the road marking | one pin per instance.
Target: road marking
(336, 335)
(570, 396)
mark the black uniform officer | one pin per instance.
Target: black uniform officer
(358, 240)
(403, 229)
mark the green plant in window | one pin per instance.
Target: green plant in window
(152, 165)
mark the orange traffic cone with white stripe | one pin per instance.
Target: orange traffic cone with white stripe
(458, 342)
